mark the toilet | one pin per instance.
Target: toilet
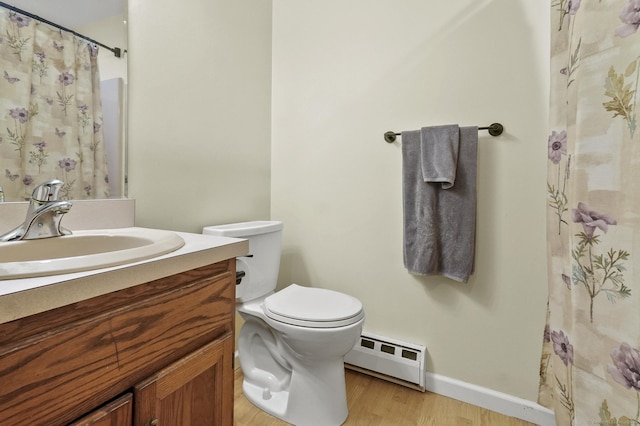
(293, 342)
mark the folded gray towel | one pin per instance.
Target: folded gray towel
(439, 154)
(439, 224)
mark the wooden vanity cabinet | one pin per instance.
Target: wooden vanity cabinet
(189, 392)
(156, 353)
(116, 413)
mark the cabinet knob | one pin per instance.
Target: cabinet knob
(152, 422)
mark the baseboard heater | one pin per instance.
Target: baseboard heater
(389, 359)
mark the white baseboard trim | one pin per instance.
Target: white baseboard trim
(499, 402)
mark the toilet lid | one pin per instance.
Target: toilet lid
(313, 307)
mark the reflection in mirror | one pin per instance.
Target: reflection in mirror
(102, 21)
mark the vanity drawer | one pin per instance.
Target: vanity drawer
(52, 375)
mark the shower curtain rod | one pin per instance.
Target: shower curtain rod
(494, 129)
(116, 50)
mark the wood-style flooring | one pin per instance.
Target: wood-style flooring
(375, 402)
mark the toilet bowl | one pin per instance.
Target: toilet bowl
(293, 342)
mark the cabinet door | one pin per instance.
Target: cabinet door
(115, 413)
(196, 390)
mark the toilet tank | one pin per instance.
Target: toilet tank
(262, 264)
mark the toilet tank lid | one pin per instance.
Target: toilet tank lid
(244, 229)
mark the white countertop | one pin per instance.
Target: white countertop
(27, 296)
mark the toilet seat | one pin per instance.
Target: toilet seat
(313, 307)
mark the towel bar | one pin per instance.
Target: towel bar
(494, 129)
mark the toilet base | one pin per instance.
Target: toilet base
(319, 402)
(277, 400)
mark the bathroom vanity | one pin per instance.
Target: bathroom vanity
(144, 344)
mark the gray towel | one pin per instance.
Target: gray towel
(440, 223)
(439, 154)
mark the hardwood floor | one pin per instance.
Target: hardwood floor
(374, 402)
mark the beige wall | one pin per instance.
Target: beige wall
(199, 112)
(346, 72)
(203, 113)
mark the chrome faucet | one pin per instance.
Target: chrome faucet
(43, 216)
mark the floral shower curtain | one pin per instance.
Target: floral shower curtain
(590, 369)
(50, 111)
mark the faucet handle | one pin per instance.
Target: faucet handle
(47, 191)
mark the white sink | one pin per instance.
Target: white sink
(84, 251)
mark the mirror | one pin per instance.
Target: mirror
(103, 21)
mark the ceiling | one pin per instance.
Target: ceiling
(71, 13)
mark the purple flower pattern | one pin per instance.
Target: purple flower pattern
(557, 146)
(574, 5)
(591, 219)
(40, 145)
(562, 347)
(64, 100)
(20, 114)
(66, 78)
(598, 273)
(21, 21)
(626, 366)
(564, 350)
(40, 66)
(67, 164)
(630, 17)
(39, 156)
(17, 136)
